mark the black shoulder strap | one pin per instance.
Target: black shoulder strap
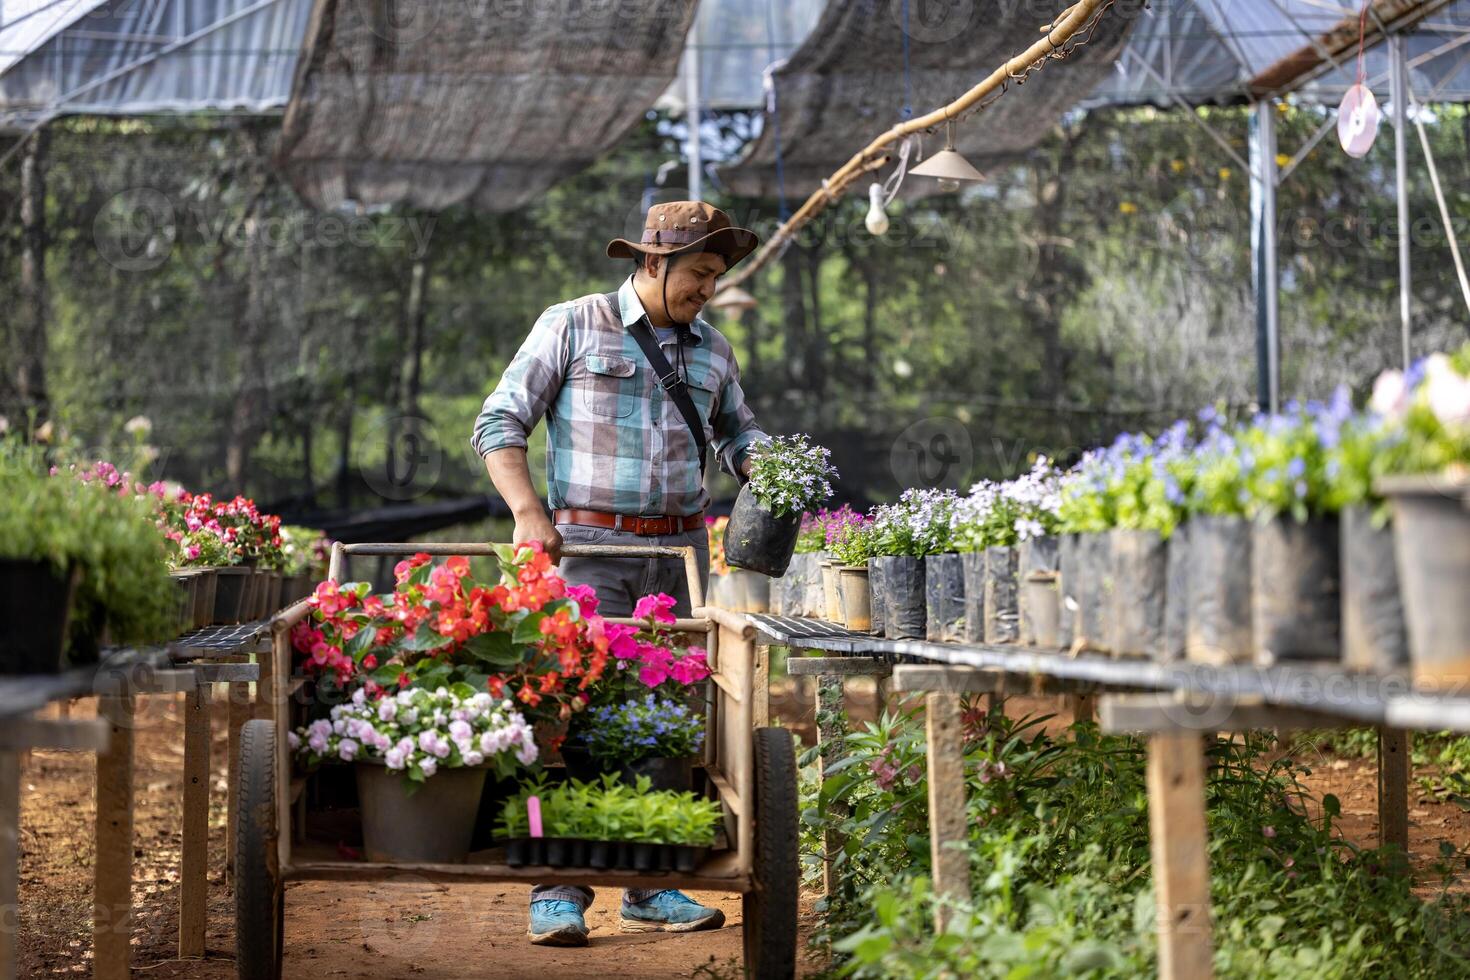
(669, 380)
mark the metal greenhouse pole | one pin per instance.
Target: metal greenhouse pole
(1399, 96)
(1267, 283)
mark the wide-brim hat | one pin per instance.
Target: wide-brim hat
(687, 226)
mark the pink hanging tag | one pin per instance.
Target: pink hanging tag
(533, 814)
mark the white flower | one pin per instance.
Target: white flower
(358, 696)
(320, 727)
(1448, 393)
(1390, 394)
(526, 754)
(387, 708)
(347, 749)
(459, 730)
(317, 742)
(339, 727)
(426, 741)
(429, 766)
(293, 740)
(393, 758)
(138, 425)
(472, 758)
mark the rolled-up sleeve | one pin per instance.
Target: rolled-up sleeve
(735, 426)
(528, 387)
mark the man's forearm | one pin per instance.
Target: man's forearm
(511, 475)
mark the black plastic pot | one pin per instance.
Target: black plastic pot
(35, 601)
(233, 591)
(1220, 591)
(1002, 596)
(1095, 592)
(1176, 594)
(904, 611)
(675, 774)
(645, 857)
(974, 569)
(876, 593)
(1296, 594)
(1374, 635)
(601, 854)
(1039, 555)
(758, 540)
(1139, 590)
(579, 761)
(944, 598)
(686, 859)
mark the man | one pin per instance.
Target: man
(623, 461)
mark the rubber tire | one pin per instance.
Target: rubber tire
(260, 904)
(770, 909)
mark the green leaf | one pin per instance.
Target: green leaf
(426, 639)
(493, 649)
(361, 643)
(528, 630)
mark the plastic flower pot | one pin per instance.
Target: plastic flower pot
(1037, 555)
(1002, 602)
(877, 590)
(903, 597)
(757, 539)
(231, 594)
(1069, 574)
(1296, 597)
(1095, 592)
(1140, 572)
(434, 825)
(579, 761)
(675, 774)
(277, 583)
(747, 591)
(944, 598)
(1177, 561)
(645, 857)
(186, 587)
(204, 597)
(1042, 602)
(687, 858)
(973, 564)
(600, 854)
(36, 602)
(1220, 611)
(1375, 637)
(1432, 549)
(856, 598)
(831, 597)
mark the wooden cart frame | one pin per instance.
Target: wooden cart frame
(752, 769)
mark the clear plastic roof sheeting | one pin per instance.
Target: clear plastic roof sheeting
(1210, 51)
(735, 41)
(124, 57)
(846, 85)
(488, 104)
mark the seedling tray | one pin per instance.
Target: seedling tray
(602, 855)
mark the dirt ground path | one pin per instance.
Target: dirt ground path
(409, 928)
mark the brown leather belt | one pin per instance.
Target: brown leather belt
(647, 526)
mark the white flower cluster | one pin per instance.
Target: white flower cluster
(789, 474)
(1014, 511)
(419, 731)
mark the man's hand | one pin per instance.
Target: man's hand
(745, 467)
(538, 527)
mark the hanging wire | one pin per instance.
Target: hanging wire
(908, 91)
(895, 179)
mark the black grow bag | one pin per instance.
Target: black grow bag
(676, 774)
(876, 592)
(1002, 596)
(36, 603)
(1069, 574)
(1374, 635)
(1176, 594)
(944, 598)
(973, 563)
(1297, 598)
(1219, 629)
(1037, 562)
(758, 540)
(904, 611)
(1139, 583)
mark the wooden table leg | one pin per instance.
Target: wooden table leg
(760, 687)
(112, 922)
(1176, 817)
(831, 729)
(239, 713)
(1394, 748)
(948, 839)
(9, 861)
(194, 854)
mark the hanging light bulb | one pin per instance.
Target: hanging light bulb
(948, 165)
(876, 221)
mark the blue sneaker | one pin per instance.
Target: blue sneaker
(556, 922)
(669, 911)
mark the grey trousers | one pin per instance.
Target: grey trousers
(620, 583)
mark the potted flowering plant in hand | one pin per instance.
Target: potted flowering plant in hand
(421, 758)
(788, 475)
(1427, 480)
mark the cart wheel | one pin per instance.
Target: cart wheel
(769, 909)
(260, 903)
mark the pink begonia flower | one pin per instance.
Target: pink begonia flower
(586, 597)
(691, 668)
(659, 607)
(622, 643)
(655, 669)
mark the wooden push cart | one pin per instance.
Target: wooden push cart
(752, 770)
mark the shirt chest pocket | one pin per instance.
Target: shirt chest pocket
(704, 389)
(609, 385)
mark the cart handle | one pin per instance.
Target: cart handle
(481, 548)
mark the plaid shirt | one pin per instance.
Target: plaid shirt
(615, 440)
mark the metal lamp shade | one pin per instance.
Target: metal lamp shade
(947, 164)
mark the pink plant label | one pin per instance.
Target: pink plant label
(533, 814)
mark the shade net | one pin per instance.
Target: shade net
(486, 104)
(846, 85)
